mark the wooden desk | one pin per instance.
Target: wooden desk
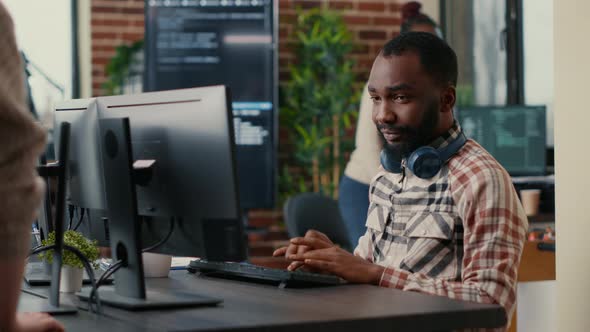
(535, 264)
(250, 307)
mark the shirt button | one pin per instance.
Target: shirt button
(424, 232)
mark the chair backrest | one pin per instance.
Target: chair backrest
(307, 211)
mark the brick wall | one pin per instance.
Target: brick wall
(113, 22)
(372, 23)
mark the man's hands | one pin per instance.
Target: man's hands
(37, 322)
(316, 251)
(319, 241)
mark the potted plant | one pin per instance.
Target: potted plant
(320, 103)
(72, 268)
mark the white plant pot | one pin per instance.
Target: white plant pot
(156, 265)
(71, 279)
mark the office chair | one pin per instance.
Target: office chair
(315, 211)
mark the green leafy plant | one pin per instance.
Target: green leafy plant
(117, 70)
(320, 101)
(465, 96)
(77, 240)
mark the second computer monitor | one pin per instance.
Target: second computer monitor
(183, 152)
(514, 135)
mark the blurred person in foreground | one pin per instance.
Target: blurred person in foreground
(21, 189)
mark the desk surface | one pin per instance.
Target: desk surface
(250, 306)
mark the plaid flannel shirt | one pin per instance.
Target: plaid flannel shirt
(459, 234)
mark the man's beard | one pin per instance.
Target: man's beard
(415, 137)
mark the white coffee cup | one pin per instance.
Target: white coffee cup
(530, 201)
(156, 265)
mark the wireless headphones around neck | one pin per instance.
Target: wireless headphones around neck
(426, 161)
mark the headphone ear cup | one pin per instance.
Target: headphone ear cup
(389, 163)
(425, 162)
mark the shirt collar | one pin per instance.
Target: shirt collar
(446, 138)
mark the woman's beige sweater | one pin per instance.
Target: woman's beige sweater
(21, 142)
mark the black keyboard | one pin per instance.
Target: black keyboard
(259, 274)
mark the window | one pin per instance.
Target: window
(474, 28)
(537, 24)
(44, 34)
(505, 52)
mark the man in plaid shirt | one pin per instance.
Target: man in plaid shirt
(458, 234)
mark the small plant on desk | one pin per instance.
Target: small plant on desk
(72, 267)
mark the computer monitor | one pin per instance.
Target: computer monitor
(185, 137)
(514, 135)
(85, 186)
(189, 135)
(234, 43)
(84, 181)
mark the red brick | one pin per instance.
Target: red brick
(372, 34)
(288, 18)
(360, 49)
(285, 47)
(100, 60)
(283, 32)
(98, 48)
(110, 22)
(340, 5)
(285, 4)
(391, 21)
(96, 85)
(394, 34)
(105, 35)
(284, 63)
(133, 36)
(307, 4)
(375, 49)
(356, 19)
(395, 7)
(372, 6)
(365, 63)
(123, 10)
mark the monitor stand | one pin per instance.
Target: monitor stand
(124, 224)
(59, 170)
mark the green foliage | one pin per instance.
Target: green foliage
(76, 240)
(117, 69)
(320, 100)
(464, 95)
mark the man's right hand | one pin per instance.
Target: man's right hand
(319, 240)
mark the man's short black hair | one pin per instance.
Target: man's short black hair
(436, 56)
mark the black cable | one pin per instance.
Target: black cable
(80, 219)
(161, 242)
(40, 249)
(107, 273)
(71, 210)
(84, 261)
(89, 271)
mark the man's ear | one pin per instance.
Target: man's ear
(447, 99)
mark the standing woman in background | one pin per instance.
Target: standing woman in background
(364, 161)
(21, 189)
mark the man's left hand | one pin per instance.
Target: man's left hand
(340, 262)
